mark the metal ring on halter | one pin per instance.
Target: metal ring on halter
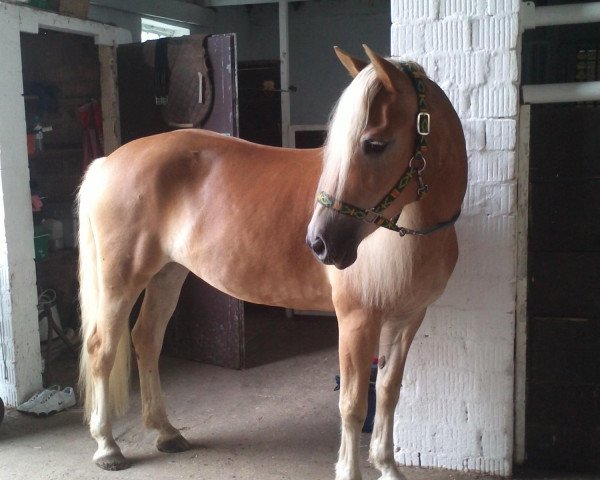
(421, 157)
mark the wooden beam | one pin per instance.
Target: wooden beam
(235, 3)
(171, 10)
(522, 276)
(32, 19)
(111, 122)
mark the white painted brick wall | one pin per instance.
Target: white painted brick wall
(414, 10)
(408, 38)
(456, 406)
(461, 8)
(475, 134)
(497, 32)
(450, 35)
(501, 134)
(467, 69)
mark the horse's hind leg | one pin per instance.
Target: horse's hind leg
(396, 337)
(109, 340)
(159, 303)
(358, 333)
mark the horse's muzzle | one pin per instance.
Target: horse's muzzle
(327, 255)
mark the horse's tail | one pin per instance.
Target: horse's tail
(88, 299)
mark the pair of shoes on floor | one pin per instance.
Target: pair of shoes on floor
(49, 401)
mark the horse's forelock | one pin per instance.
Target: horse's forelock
(348, 121)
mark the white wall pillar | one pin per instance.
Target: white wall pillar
(20, 365)
(456, 405)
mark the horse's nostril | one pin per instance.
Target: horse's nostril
(318, 246)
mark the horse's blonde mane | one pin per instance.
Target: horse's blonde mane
(347, 123)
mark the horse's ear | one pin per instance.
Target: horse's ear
(353, 65)
(387, 73)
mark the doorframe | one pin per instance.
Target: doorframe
(522, 276)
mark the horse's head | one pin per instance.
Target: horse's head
(369, 147)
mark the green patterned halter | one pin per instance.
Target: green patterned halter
(375, 215)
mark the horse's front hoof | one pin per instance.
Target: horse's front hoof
(173, 445)
(392, 475)
(113, 462)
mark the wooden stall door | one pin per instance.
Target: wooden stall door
(208, 325)
(563, 351)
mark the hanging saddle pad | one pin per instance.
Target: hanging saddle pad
(183, 87)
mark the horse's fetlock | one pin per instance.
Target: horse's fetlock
(345, 472)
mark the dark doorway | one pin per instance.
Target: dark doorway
(563, 346)
(259, 104)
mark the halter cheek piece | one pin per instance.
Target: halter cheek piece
(415, 169)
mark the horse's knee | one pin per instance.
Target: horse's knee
(387, 398)
(353, 410)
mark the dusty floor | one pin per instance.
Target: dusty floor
(275, 421)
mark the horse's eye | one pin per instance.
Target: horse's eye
(373, 147)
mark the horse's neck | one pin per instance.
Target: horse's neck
(446, 172)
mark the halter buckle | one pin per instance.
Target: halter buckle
(371, 216)
(423, 123)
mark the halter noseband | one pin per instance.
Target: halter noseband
(415, 169)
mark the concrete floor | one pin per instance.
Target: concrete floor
(275, 421)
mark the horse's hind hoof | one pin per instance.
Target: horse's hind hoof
(113, 462)
(173, 445)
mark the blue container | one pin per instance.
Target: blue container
(372, 401)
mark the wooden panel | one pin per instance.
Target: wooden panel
(222, 58)
(111, 125)
(564, 284)
(563, 364)
(563, 408)
(565, 143)
(208, 326)
(563, 351)
(565, 216)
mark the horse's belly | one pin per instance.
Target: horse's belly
(267, 280)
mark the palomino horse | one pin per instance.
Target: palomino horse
(233, 212)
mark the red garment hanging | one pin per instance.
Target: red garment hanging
(90, 116)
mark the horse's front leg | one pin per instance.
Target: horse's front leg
(358, 333)
(396, 337)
